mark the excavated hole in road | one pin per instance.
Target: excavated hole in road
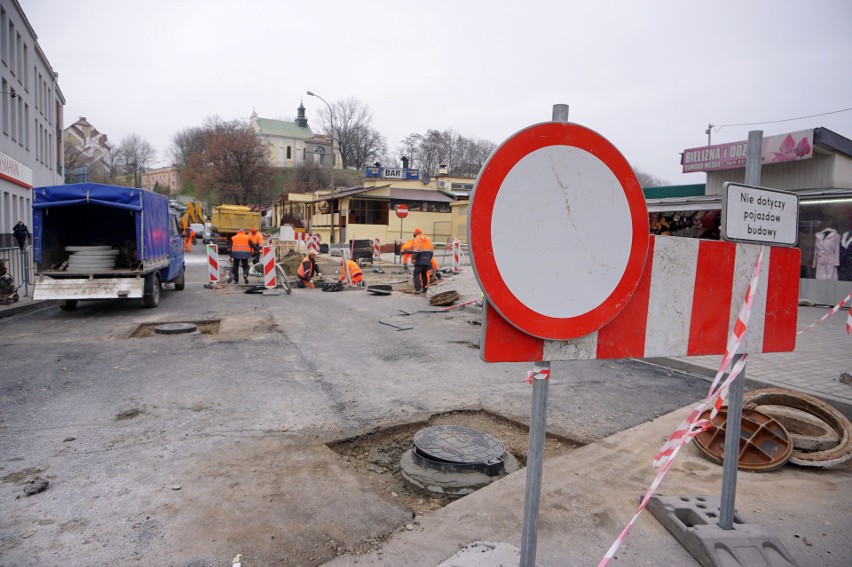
(208, 327)
(376, 455)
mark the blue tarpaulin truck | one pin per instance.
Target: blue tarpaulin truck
(94, 241)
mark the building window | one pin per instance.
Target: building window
(3, 24)
(364, 211)
(4, 104)
(289, 152)
(423, 206)
(11, 59)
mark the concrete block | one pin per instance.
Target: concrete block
(694, 522)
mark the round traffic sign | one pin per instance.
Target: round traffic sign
(402, 211)
(558, 230)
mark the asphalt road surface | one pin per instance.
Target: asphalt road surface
(187, 450)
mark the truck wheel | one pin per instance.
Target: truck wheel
(68, 305)
(151, 296)
(180, 281)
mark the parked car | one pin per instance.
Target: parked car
(200, 232)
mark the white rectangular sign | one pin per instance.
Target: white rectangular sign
(393, 173)
(759, 215)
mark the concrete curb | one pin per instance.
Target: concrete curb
(23, 307)
(706, 373)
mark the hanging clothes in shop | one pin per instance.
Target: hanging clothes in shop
(827, 254)
(844, 270)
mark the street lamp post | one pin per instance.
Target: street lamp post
(331, 135)
(330, 121)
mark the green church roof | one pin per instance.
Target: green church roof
(282, 128)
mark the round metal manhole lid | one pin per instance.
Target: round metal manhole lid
(458, 444)
(175, 328)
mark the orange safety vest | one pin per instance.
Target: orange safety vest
(406, 250)
(240, 242)
(306, 268)
(256, 238)
(422, 243)
(354, 272)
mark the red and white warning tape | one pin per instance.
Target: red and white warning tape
(831, 312)
(692, 425)
(537, 373)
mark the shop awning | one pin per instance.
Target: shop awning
(420, 195)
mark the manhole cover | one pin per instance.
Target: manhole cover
(175, 328)
(454, 447)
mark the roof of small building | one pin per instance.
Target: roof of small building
(282, 128)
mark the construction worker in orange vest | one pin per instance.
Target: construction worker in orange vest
(307, 270)
(355, 273)
(433, 275)
(188, 237)
(422, 251)
(256, 243)
(240, 254)
(405, 250)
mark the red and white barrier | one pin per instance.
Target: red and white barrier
(213, 263)
(674, 310)
(269, 281)
(456, 256)
(377, 248)
(313, 242)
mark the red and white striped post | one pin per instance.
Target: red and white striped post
(213, 264)
(456, 256)
(377, 248)
(269, 281)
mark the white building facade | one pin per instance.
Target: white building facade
(31, 109)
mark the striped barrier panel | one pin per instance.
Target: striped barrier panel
(269, 281)
(684, 305)
(213, 263)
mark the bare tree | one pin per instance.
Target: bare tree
(462, 156)
(352, 128)
(646, 179)
(134, 156)
(185, 143)
(226, 161)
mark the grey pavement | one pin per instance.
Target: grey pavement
(590, 494)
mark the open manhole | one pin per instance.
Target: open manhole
(377, 455)
(208, 327)
(454, 460)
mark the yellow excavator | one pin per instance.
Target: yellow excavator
(192, 215)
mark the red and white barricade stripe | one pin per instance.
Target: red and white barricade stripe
(269, 281)
(377, 248)
(456, 256)
(213, 262)
(831, 312)
(313, 242)
(674, 310)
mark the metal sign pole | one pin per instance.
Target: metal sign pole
(538, 422)
(735, 395)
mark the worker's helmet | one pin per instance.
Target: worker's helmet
(417, 231)
(252, 230)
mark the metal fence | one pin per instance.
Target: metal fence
(20, 265)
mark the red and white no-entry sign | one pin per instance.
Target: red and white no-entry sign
(558, 230)
(402, 211)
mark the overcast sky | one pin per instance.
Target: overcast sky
(647, 75)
